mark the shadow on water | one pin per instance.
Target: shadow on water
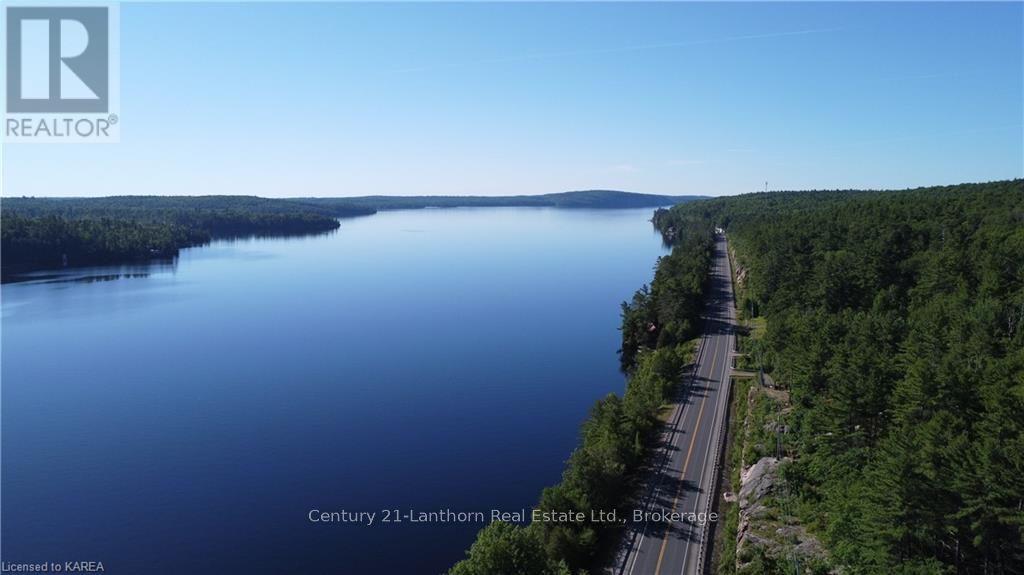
(273, 235)
(87, 274)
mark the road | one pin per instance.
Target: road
(684, 470)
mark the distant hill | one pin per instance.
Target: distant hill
(602, 199)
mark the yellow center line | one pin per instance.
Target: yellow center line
(686, 464)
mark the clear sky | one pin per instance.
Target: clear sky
(675, 98)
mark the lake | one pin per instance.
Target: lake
(187, 417)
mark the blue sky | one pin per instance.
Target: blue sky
(524, 98)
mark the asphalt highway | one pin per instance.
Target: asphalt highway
(672, 539)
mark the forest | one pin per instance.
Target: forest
(894, 318)
(53, 232)
(658, 327)
(896, 321)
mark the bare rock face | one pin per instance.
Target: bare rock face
(741, 272)
(758, 480)
(763, 528)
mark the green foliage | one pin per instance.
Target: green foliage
(895, 319)
(639, 327)
(668, 312)
(505, 549)
(47, 232)
(47, 241)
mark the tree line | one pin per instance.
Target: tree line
(896, 320)
(53, 232)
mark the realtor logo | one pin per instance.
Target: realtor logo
(62, 72)
(57, 59)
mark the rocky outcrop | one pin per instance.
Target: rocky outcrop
(767, 531)
(758, 481)
(764, 528)
(741, 272)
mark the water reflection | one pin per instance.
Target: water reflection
(275, 235)
(142, 269)
(91, 274)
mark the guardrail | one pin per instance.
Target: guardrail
(702, 554)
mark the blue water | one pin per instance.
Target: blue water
(186, 417)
